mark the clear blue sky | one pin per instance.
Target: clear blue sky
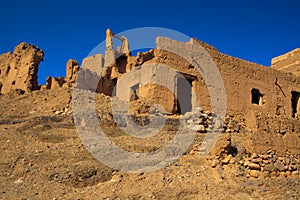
(251, 30)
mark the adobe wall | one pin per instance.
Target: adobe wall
(240, 77)
(155, 84)
(94, 63)
(52, 83)
(289, 62)
(18, 70)
(270, 122)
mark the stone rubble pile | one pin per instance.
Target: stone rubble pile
(265, 165)
(206, 121)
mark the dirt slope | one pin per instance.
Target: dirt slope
(42, 157)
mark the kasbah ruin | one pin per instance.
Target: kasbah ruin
(257, 155)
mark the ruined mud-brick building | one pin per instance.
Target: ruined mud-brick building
(263, 99)
(18, 70)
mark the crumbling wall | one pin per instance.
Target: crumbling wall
(289, 62)
(182, 67)
(154, 82)
(256, 95)
(94, 63)
(72, 68)
(240, 77)
(18, 70)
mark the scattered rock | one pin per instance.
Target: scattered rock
(254, 166)
(295, 173)
(256, 160)
(232, 161)
(269, 167)
(293, 161)
(266, 174)
(214, 163)
(270, 152)
(19, 181)
(254, 173)
(254, 156)
(279, 166)
(264, 157)
(286, 161)
(226, 160)
(58, 112)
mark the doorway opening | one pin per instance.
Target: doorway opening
(185, 93)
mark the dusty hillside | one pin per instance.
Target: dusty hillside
(43, 158)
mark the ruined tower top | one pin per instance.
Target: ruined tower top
(110, 53)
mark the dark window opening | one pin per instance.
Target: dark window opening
(256, 97)
(122, 62)
(295, 103)
(13, 83)
(134, 92)
(191, 66)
